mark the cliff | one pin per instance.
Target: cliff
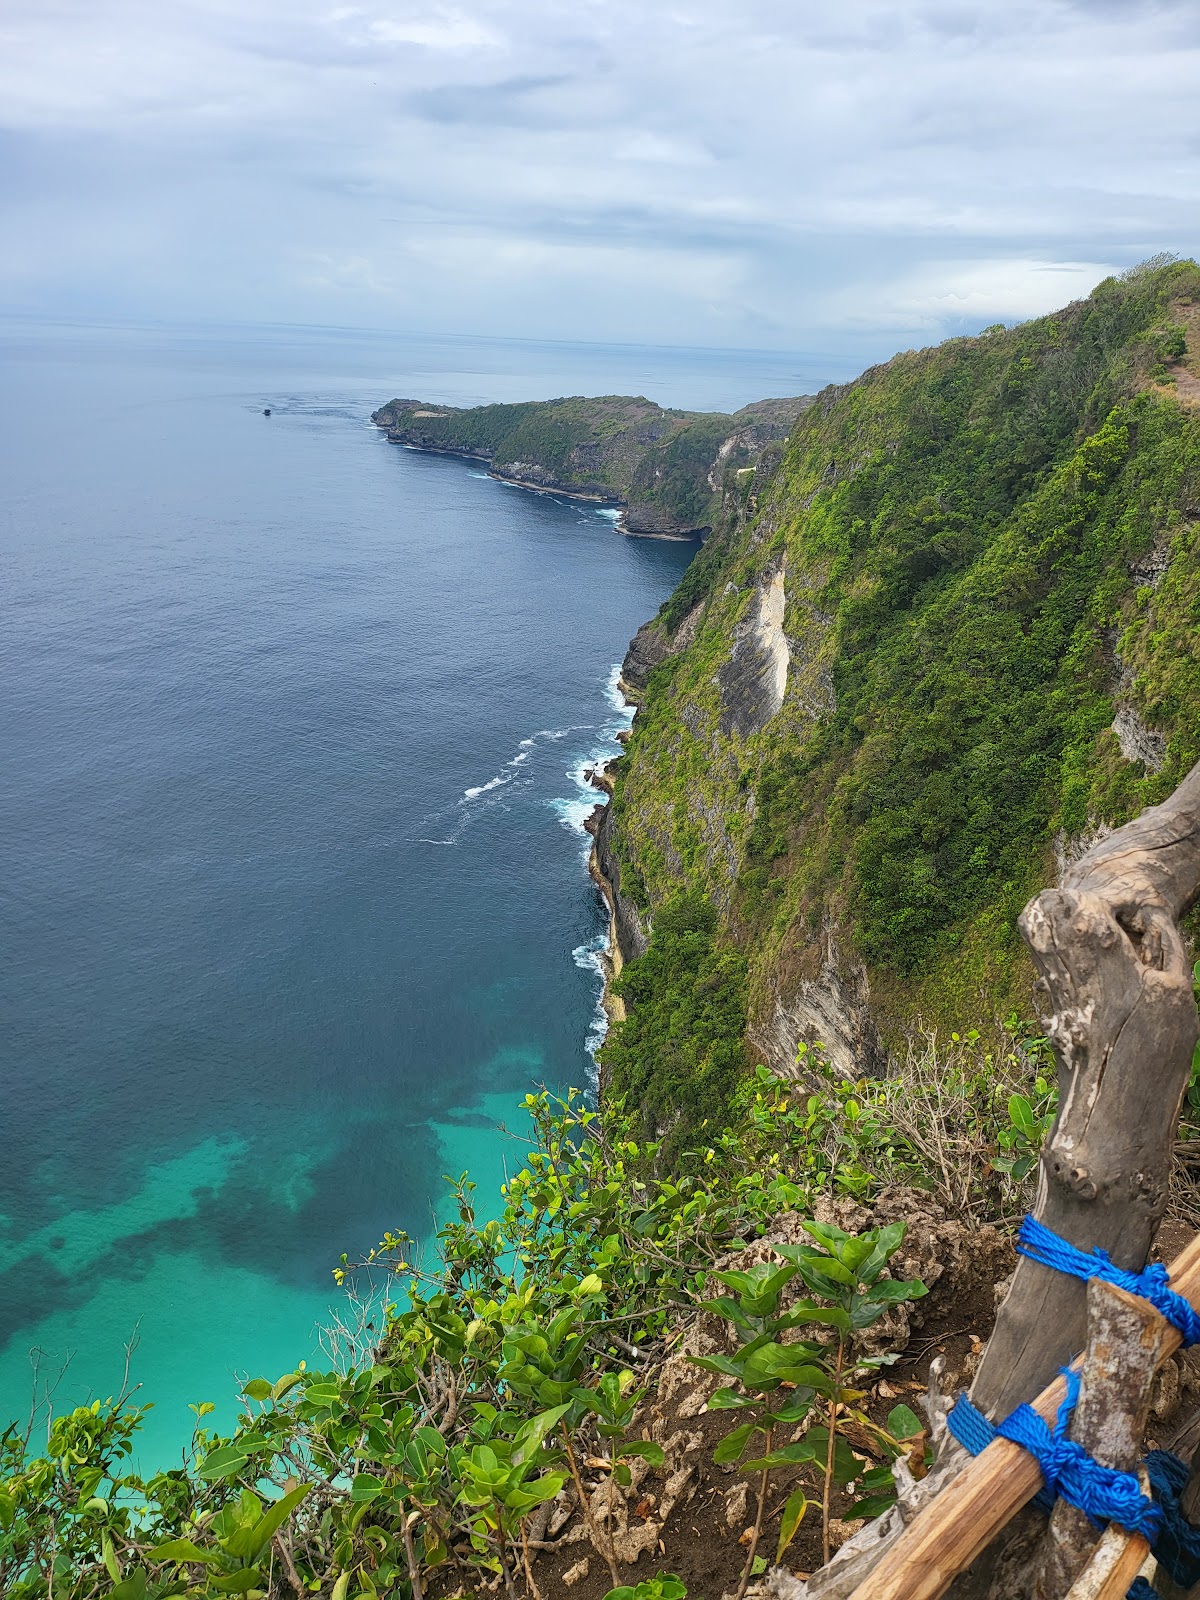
(953, 634)
(670, 472)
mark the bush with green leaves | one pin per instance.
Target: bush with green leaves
(809, 1383)
(517, 1345)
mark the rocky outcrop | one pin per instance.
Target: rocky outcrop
(653, 644)
(1137, 741)
(832, 1009)
(754, 679)
(628, 935)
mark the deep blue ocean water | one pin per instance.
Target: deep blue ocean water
(293, 900)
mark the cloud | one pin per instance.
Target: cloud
(444, 30)
(850, 180)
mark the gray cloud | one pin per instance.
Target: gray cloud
(515, 102)
(594, 168)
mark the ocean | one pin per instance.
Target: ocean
(293, 895)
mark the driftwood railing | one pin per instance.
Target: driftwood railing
(1115, 990)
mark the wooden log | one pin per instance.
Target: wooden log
(1116, 1562)
(947, 1535)
(1127, 1343)
(1115, 989)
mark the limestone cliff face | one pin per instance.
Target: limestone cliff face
(948, 623)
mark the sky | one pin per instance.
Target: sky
(848, 177)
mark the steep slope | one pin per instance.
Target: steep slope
(954, 633)
(668, 470)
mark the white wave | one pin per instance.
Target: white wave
(524, 753)
(612, 693)
(590, 957)
(609, 513)
(573, 811)
(497, 782)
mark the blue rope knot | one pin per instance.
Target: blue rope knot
(1066, 1467)
(1068, 1470)
(1152, 1284)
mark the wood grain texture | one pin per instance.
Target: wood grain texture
(1115, 1563)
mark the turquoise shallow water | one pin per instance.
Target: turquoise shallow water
(292, 894)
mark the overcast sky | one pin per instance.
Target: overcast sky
(808, 174)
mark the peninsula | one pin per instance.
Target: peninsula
(667, 471)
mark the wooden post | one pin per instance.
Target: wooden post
(1127, 1343)
(1116, 989)
(1116, 996)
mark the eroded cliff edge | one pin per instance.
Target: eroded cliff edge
(951, 627)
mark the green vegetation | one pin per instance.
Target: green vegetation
(666, 467)
(989, 547)
(507, 1367)
(844, 1273)
(680, 1055)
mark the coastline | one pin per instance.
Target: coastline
(588, 497)
(613, 957)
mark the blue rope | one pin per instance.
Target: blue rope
(1177, 1548)
(1103, 1494)
(1066, 1467)
(1040, 1244)
(974, 1432)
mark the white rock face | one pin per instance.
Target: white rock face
(754, 679)
(771, 640)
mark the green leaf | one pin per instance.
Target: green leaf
(871, 1505)
(531, 1435)
(793, 1513)
(111, 1565)
(729, 1400)
(366, 1487)
(238, 1582)
(257, 1389)
(133, 1588)
(651, 1453)
(181, 1550)
(903, 1423)
(733, 1444)
(224, 1462)
(323, 1395)
(846, 1465)
(787, 1455)
(892, 1291)
(284, 1384)
(274, 1518)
